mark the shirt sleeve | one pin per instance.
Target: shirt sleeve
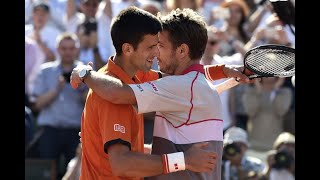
(115, 123)
(148, 76)
(171, 93)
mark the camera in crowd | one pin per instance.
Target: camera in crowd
(283, 160)
(67, 76)
(231, 149)
(88, 26)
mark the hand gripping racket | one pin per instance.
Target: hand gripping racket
(265, 61)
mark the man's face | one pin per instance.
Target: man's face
(142, 58)
(40, 17)
(90, 8)
(67, 50)
(167, 60)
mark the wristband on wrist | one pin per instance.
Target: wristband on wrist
(214, 72)
(173, 162)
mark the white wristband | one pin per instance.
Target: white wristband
(176, 162)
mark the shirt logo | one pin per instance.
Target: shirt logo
(154, 87)
(139, 87)
(118, 127)
(176, 166)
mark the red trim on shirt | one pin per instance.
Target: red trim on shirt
(194, 67)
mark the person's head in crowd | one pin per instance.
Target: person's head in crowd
(151, 6)
(238, 10)
(235, 144)
(67, 46)
(89, 7)
(192, 4)
(40, 14)
(214, 39)
(275, 32)
(286, 141)
(87, 33)
(134, 33)
(282, 156)
(182, 41)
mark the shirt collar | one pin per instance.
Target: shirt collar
(114, 69)
(194, 67)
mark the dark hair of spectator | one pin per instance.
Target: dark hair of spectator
(131, 25)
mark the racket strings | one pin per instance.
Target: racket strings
(271, 62)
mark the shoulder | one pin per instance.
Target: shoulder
(48, 65)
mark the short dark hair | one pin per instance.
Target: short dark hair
(186, 26)
(41, 5)
(131, 25)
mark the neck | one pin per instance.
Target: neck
(66, 66)
(184, 64)
(207, 59)
(125, 65)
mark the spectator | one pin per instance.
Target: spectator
(281, 159)
(100, 39)
(59, 106)
(266, 103)
(237, 164)
(41, 32)
(34, 57)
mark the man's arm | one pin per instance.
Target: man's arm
(110, 88)
(219, 71)
(132, 164)
(106, 86)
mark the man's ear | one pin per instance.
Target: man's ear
(127, 48)
(183, 51)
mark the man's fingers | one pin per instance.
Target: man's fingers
(74, 85)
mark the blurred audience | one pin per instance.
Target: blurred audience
(238, 165)
(42, 32)
(281, 159)
(74, 166)
(266, 102)
(59, 105)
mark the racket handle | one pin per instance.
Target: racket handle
(230, 83)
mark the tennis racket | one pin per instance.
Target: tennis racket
(268, 60)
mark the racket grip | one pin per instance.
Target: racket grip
(230, 83)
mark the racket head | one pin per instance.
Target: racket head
(270, 60)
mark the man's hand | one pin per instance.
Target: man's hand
(198, 159)
(75, 80)
(232, 71)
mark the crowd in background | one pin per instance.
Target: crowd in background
(259, 118)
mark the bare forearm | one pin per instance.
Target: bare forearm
(110, 88)
(71, 8)
(140, 165)
(108, 8)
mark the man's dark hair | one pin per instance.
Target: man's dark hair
(131, 25)
(186, 26)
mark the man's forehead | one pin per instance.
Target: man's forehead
(164, 37)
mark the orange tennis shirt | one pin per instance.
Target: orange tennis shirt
(104, 124)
